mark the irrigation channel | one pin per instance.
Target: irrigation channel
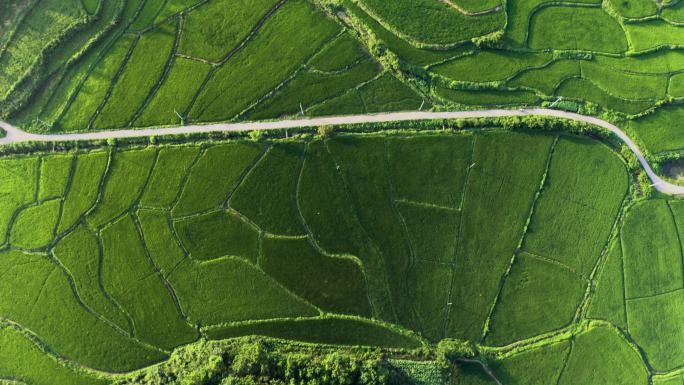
(15, 135)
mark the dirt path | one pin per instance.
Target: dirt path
(15, 135)
(469, 13)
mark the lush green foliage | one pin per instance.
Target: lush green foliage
(113, 258)
(159, 243)
(253, 361)
(160, 63)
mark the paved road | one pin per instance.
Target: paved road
(15, 135)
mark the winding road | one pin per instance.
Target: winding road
(15, 135)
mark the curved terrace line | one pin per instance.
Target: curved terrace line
(15, 135)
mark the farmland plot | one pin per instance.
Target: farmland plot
(416, 212)
(164, 63)
(286, 58)
(526, 245)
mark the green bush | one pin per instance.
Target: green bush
(256, 361)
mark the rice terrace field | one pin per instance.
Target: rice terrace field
(502, 250)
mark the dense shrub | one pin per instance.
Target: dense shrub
(258, 361)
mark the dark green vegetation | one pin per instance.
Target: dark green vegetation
(91, 65)
(376, 240)
(265, 361)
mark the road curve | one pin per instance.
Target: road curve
(15, 135)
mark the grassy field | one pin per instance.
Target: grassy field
(179, 254)
(540, 251)
(165, 63)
